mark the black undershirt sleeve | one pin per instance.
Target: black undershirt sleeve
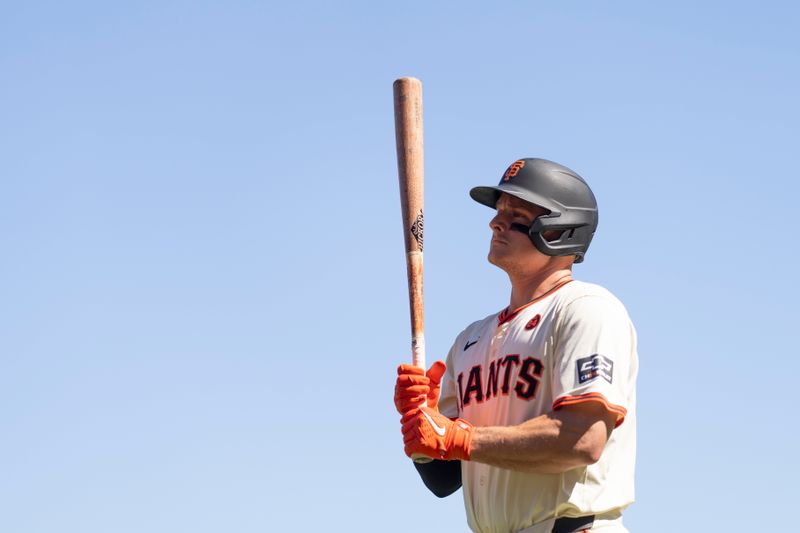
(442, 478)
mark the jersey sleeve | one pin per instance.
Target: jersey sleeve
(448, 397)
(594, 355)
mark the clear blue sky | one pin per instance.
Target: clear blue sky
(203, 288)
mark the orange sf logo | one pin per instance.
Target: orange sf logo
(514, 169)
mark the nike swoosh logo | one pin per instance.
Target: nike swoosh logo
(437, 428)
(466, 346)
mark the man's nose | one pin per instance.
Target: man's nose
(499, 223)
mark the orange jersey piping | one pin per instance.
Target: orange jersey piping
(592, 397)
(505, 315)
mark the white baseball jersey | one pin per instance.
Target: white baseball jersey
(574, 344)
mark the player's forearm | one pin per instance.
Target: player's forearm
(548, 444)
(535, 467)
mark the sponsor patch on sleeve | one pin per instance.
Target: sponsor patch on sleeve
(595, 366)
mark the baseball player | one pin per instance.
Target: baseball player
(534, 411)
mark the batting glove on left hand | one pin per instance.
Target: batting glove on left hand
(415, 387)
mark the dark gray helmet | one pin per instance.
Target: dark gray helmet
(568, 198)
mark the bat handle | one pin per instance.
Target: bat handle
(418, 359)
(418, 350)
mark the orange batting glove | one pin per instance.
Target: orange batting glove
(415, 387)
(427, 432)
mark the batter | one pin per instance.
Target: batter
(534, 411)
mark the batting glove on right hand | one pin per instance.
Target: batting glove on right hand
(428, 433)
(415, 387)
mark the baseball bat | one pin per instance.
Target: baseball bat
(408, 134)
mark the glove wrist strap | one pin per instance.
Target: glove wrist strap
(459, 443)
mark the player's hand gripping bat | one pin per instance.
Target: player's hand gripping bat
(408, 133)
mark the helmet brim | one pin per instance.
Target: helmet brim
(488, 196)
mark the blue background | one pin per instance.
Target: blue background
(202, 277)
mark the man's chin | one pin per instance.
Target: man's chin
(495, 253)
(496, 260)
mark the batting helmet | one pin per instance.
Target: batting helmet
(568, 198)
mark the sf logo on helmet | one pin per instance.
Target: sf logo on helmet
(514, 169)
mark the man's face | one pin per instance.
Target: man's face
(512, 250)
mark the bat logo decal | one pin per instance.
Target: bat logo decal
(417, 228)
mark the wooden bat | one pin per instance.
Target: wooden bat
(408, 133)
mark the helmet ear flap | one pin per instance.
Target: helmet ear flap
(573, 238)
